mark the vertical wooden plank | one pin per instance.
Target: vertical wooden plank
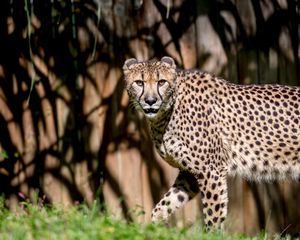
(236, 218)
(291, 204)
(212, 55)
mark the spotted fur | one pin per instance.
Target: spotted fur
(210, 128)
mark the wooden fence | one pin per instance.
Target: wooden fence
(66, 132)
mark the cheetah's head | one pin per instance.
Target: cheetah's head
(150, 85)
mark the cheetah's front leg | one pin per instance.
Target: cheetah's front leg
(213, 189)
(184, 189)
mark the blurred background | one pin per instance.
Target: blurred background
(67, 135)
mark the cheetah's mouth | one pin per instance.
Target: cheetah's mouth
(150, 110)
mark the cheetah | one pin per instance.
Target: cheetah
(210, 128)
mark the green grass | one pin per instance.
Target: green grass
(82, 222)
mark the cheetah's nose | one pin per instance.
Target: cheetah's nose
(150, 100)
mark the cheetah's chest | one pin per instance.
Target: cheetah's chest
(168, 148)
(165, 151)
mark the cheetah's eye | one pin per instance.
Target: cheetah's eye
(140, 83)
(161, 82)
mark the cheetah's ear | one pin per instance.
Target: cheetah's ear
(170, 61)
(129, 63)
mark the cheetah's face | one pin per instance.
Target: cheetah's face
(150, 84)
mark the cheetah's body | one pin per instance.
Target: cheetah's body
(209, 128)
